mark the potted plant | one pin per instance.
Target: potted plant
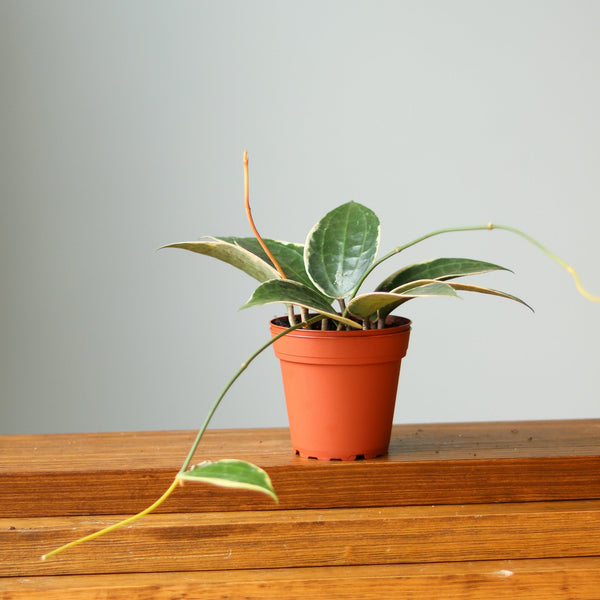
(340, 348)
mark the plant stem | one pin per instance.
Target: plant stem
(242, 368)
(555, 258)
(263, 245)
(343, 311)
(488, 227)
(291, 315)
(192, 451)
(251, 220)
(110, 528)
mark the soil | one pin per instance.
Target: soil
(332, 326)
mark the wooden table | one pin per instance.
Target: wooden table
(480, 510)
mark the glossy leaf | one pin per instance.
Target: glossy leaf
(233, 254)
(341, 247)
(290, 256)
(293, 292)
(367, 305)
(463, 287)
(409, 290)
(438, 268)
(231, 473)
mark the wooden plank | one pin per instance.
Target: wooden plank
(166, 449)
(282, 539)
(558, 579)
(115, 473)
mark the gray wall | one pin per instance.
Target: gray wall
(123, 126)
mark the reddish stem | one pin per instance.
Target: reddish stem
(251, 220)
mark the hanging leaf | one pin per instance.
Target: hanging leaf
(341, 247)
(438, 268)
(233, 254)
(367, 305)
(481, 290)
(231, 473)
(292, 292)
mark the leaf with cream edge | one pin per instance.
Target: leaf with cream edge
(438, 268)
(231, 473)
(289, 256)
(232, 254)
(367, 305)
(464, 287)
(384, 303)
(293, 292)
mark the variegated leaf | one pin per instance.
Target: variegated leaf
(293, 292)
(231, 473)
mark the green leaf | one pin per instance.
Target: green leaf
(414, 289)
(481, 290)
(367, 305)
(233, 254)
(231, 473)
(290, 256)
(341, 247)
(438, 268)
(293, 292)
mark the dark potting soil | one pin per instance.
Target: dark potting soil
(332, 325)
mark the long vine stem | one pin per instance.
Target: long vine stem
(488, 227)
(178, 481)
(194, 447)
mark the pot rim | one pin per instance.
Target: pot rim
(400, 324)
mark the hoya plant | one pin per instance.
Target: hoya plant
(325, 274)
(320, 282)
(339, 253)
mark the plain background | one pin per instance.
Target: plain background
(123, 125)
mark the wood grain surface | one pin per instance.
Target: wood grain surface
(469, 511)
(551, 579)
(115, 473)
(212, 541)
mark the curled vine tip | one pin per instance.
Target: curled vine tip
(580, 288)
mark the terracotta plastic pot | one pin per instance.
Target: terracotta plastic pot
(340, 388)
